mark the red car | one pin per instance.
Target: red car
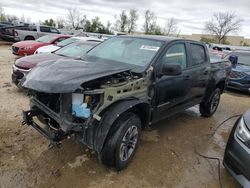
(28, 47)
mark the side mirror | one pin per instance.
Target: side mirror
(233, 59)
(171, 69)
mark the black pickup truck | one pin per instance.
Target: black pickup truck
(120, 87)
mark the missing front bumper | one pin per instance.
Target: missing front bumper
(55, 137)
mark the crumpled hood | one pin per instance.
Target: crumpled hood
(65, 76)
(246, 117)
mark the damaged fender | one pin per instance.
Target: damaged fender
(110, 116)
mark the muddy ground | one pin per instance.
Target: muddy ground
(165, 158)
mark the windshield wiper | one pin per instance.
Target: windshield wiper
(61, 55)
(241, 63)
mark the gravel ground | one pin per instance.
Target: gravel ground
(165, 158)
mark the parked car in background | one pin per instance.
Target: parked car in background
(24, 65)
(33, 32)
(118, 88)
(24, 48)
(54, 47)
(237, 153)
(27, 32)
(7, 30)
(240, 76)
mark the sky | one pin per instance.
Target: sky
(190, 14)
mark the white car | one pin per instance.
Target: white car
(54, 47)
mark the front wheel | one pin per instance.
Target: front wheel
(122, 141)
(209, 108)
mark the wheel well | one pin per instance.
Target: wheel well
(221, 86)
(142, 110)
(29, 37)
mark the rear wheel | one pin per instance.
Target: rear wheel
(208, 109)
(122, 141)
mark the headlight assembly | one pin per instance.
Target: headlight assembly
(27, 48)
(242, 131)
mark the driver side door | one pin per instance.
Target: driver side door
(171, 92)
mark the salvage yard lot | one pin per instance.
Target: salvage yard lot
(165, 157)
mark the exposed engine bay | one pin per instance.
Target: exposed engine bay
(73, 113)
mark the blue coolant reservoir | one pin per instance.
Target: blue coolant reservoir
(79, 108)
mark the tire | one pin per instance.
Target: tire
(29, 38)
(208, 109)
(122, 141)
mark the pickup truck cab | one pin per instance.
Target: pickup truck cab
(123, 85)
(33, 32)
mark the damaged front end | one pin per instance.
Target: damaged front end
(81, 112)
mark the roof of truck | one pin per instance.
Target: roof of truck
(155, 37)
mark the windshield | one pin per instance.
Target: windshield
(75, 49)
(133, 51)
(45, 39)
(67, 42)
(243, 57)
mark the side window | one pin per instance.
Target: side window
(53, 30)
(45, 29)
(176, 54)
(32, 28)
(198, 54)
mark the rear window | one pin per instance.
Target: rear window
(198, 54)
(75, 50)
(67, 42)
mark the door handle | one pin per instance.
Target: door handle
(187, 77)
(206, 72)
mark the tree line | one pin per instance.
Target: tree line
(220, 25)
(125, 22)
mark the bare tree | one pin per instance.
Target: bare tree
(171, 27)
(222, 24)
(11, 18)
(60, 22)
(74, 17)
(121, 21)
(2, 15)
(150, 22)
(133, 17)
